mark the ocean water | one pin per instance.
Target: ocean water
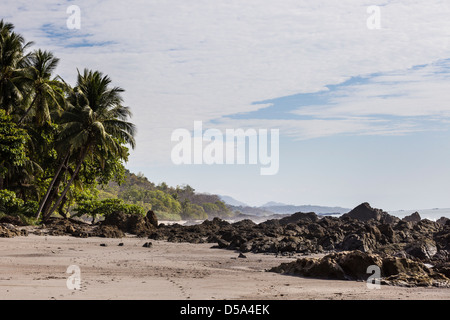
(430, 214)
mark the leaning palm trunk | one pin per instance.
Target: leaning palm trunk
(75, 174)
(52, 183)
(28, 110)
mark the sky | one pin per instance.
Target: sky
(362, 109)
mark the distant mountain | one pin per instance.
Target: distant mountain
(321, 210)
(253, 211)
(277, 208)
(232, 201)
(282, 208)
(273, 204)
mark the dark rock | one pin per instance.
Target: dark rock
(103, 245)
(388, 232)
(147, 245)
(353, 265)
(107, 231)
(299, 217)
(423, 249)
(131, 223)
(443, 268)
(152, 219)
(7, 230)
(358, 242)
(14, 220)
(364, 212)
(414, 217)
(242, 256)
(223, 243)
(443, 221)
(350, 265)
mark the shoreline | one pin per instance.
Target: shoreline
(34, 267)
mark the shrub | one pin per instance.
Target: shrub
(95, 208)
(9, 203)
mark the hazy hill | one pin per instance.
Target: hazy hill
(272, 207)
(286, 209)
(172, 203)
(232, 201)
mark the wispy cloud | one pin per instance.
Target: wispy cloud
(201, 60)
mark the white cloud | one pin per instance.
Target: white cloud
(182, 61)
(421, 93)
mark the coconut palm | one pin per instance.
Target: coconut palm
(46, 91)
(94, 124)
(12, 67)
(5, 28)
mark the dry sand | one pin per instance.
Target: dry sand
(34, 267)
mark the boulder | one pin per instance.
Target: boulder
(350, 265)
(388, 232)
(353, 265)
(299, 217)
(14, 220)
(364, 212)
(325, 268)
(152, 219)
(423, 249)
(130, 223)
(443, 221)
(8, 230)
(414, 217)
(364, 242)
(107, 231)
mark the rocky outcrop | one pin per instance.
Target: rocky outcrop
(353, 265)
(364, 229)
(80, 229)
(443, 220)
(298, 217)
(14, 220)
(8, 230)
(131, 223)
(364, 212)
(413, 217)
(371, 234)
(152, 219)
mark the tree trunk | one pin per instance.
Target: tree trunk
(61, 197)
(28, 110)
(61, 207)
(50, 188)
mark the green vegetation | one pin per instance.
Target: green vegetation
(57, 142)
(169, 203)
(95, 208)
(63, 147)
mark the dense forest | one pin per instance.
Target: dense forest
(63, 147)
(171, 203)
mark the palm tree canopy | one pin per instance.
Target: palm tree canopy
(12, 62)
(47, 93)
(96, 116)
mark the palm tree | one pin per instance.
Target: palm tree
(40, 66)
(94, 124)
(5, 28)
(12, 66)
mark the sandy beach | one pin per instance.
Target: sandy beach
(34, 267)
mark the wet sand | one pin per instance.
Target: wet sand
(34, 267)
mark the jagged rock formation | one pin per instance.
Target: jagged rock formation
(353, 265)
